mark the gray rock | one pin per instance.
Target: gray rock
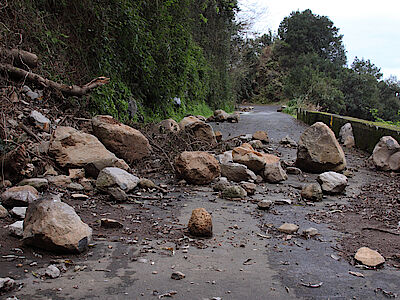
(19, 196)
(346, 135)
(309, 232)
(116, 177)
(6, 284)
(177, 275)
(52, 272)
(237, 172)
(117, 194)
(332, 182)
(16, 229)
(385, 154)
(168, 125)
(225, 157)
(256, 144)
(287, 140)
(264, 204)
(220, 184)
(273, 173)
(18, 212)
(145, 183)
(40, 121)
(38, 183)
(288, 228)
(75, 186)
(312, 192)
(234, 192)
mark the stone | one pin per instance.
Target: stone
(55, 226)
(79, 196)
(201, 118)
(256, 144)
(3, 212)
(261, 136)
(18, 212)
(76, 173)
(264, 204)
(312, 192)
(218, 136)
(254, 160)
(288, 228)
(293, 171)
(346, 135)
(200, 223)
(385, 154)
(332, 182)
(319, 151)
(75, 149)
(19, 196)
(220, 115)
(117, 194)
(87, 183)
(126, 142)
(40, 121)
(249, 187)
(38, 183)
(273, 173)
(16, 229)
(225, 157)
(116, 177)
(199, 129)
(234, 117)
(234, 192)
(74, 186)
(59, 180)
(6, 284)
(52, 272)
(168, 126)
(197, 167)
(309, 232)
(110, 223)
(369, 257)
(177, 275)
(288, 141)
(146, 184)
(237, 172)
(220, 184)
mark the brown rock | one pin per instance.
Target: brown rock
(59, 180)
(273, 173)
(261, 135)
(220, 115)
(3, 212)
(19, 196)
(319, 151)
(168, 125)
(369, 257)
(237, 172)
(386, 154)
(254, 160)
(288, 228)
(200, 223)
(249, 187)
(199, 129)
(73, 148)
(312, 192)
(218, 136)
(126, 142)
(197, 167)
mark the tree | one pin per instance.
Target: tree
(362, 66)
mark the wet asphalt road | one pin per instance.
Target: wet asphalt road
(245, 258)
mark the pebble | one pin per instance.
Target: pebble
(177, 275)
(264, 204)
(52, 272)
(310, 231)
(288, 228)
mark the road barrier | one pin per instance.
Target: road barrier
(366, 134)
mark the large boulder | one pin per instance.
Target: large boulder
(346, 135)
(319, 151)
(73, 148)
(115, 177)
(237, 172)
(386, 154)
(197, 167)
(200, 223)
(19, 196)
(332, 182)
(53, 225)
(126, 142)
(199, 129)
(273, 173)
(254, 160)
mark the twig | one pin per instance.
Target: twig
(381, 230)
(28, 131)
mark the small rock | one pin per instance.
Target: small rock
(220, 184)
(264, 204)
(52, 272)
(346, 135)
(312, 192)
(16, 229)
(3, 212)
(75, 186)
(256, 144)
(369, 257)
(200, 223)
(117, 194)
(232, 192)
(6, 284)
(225, 157)
(288, 228)
(273, 173)
(261, 135)
(59, 180)
(310, 232)
(19, 196)
(283, 202)
(116, 177)
(38, 183)
(218, 136)
(18, 212)
(168, 125)
(177, 275)
(293, 170)
(332, 182)
(110, 223)
(146, 184)
(237, 172)
(40, 121)
(287, 140)
(80, 196)
(249, 187)
(76, 173)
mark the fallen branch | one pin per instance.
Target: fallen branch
(381, 230)
(21, 57)
(72, 90)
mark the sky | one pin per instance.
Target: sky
(370, 29)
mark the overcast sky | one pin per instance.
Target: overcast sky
(371, 29)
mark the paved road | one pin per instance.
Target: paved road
(244, 259)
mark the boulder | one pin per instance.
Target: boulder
(197, 167)
(73, 148)
(199, 129)
(261, 136)
(126, 142)
(200, 223)
(234, 192)
(37, 183)
(115, 177)
(256, 144)
(19, 196)
(237, 172)
(332, 182)
(312, 192)
(369, 257)
(385, 156)
(220, 115)
(254, 160)
(273, 173)
(54, 225)
(117, 194)
(234, 117)
(346, 135)
(319, 151)
(168, 126)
